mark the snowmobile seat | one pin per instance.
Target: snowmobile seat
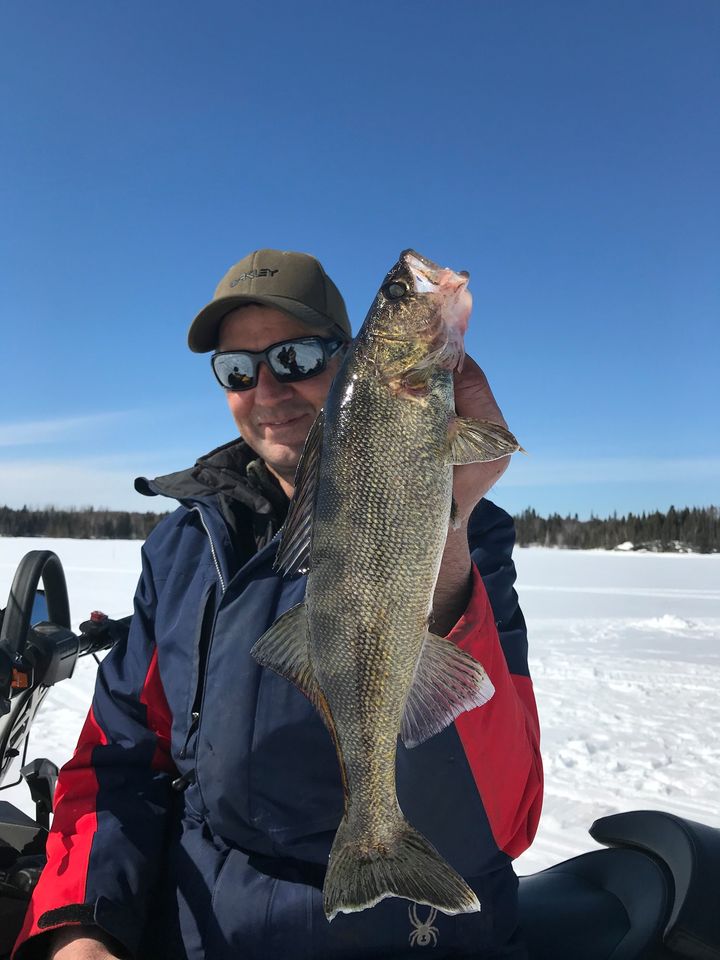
(600, 905)
(22, 846)
(691, 853)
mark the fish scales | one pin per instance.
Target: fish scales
(390, 498)
(370, 514)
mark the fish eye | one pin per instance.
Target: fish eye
(395, 290)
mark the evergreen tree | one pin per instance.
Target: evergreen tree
(85, 524)
(696, 528)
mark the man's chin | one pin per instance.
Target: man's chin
(283, 460)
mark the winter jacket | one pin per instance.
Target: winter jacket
(196, 815)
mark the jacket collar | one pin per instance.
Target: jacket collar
(229, 475)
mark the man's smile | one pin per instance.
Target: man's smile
(282, 422)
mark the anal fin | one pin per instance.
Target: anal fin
(447, 682)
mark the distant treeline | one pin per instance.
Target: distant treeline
(86, 524)
(696, 529)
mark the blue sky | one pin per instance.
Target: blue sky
(565, 152)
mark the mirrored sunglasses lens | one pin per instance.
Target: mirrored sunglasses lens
(235, 371)
(295, 360)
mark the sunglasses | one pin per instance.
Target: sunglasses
(287, 360)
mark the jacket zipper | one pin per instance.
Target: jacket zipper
(182, 782)
(212, 548)
(194, 723)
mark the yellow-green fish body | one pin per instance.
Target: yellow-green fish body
(370, 518)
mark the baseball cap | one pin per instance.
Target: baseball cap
(293, 282)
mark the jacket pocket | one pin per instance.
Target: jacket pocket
(256, 916)
(295, 791)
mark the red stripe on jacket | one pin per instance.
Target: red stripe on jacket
(159, 719)
(70, 840)
(502, 738)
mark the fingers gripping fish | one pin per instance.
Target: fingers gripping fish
(369, 519)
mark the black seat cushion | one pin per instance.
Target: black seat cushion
(601, 905)
(691, 853)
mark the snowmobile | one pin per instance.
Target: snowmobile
(653, 893)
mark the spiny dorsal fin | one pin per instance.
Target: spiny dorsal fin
(447, 682)
(294, 553)
(473, 441)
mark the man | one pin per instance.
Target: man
(195, 818)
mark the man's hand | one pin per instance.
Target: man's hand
(81, 943)
(474, 399)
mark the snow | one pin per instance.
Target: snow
(625, 659)
(624, 653)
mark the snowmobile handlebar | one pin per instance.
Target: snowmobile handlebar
(34, 657)
(37, 565)
(51, 643)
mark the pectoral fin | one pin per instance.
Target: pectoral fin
(447, 682)
(473, 441)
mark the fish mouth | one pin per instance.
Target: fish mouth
(430, 277)
(455, 302)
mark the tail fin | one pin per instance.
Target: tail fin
(407, 866)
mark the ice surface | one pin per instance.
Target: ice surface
(625, 659)
(624, 652)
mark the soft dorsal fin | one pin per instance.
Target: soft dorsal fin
(294, 553)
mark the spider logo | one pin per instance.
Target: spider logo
(424, 932)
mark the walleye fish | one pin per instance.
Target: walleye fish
(369, 519)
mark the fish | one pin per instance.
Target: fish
(368, 522)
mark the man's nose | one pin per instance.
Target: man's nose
(268, 387)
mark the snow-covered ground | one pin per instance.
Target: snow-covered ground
(624, 652)
(625, 658)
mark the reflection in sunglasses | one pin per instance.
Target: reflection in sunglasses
(288, 360)
(238, 380)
